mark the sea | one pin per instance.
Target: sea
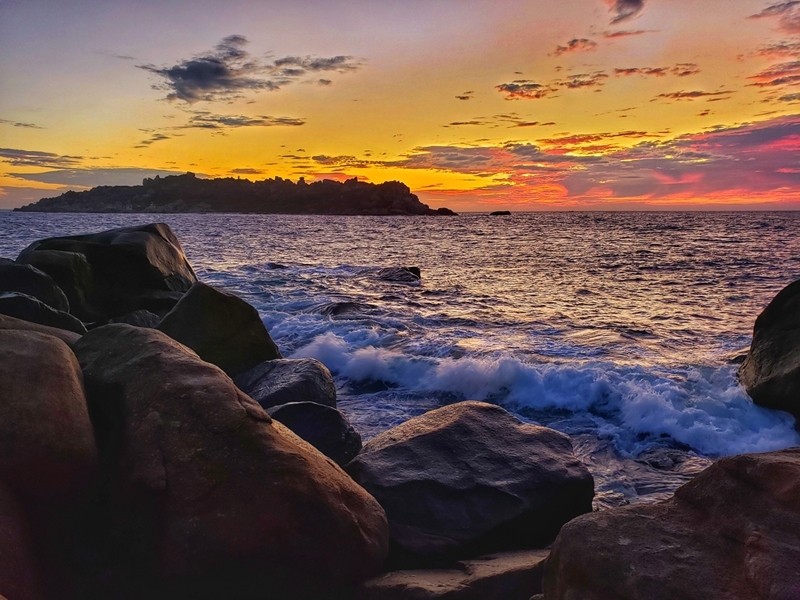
(623, 330)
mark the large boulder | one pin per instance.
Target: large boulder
(7, 322)
(223, 329)
(26, 279)
(28, 308)
(515, 575)
(771, 371)
(20, 572)
(277, 382)
(208, 496)
(469, 477)
(732, 533)
(325, 428)
(115, 272)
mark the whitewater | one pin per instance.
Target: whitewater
(623, 330)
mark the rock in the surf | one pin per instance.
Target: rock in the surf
(115, 272)
(771, 371)
(325, 428)
(470, 477)
(26, 279)
(282, 381)
(221, 328)
(208, 496)
(733, 532)
(400, 274)
(28, 308)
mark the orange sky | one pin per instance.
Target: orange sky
(476, 105)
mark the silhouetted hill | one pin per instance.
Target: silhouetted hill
(187, 193)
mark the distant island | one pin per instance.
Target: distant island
(190, 194)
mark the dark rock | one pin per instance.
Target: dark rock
(446, 212)
(139, 318)
(400, 274)
(221, 328)
(20, 572)
(325, 428)
(208, 496)
(344, 309)
(771, 371)
(7, 322)
(732, 533)
(28, 308)
(115, 272)
(502, 576)
(277, 382)
(26, 279)
(500, 213)
(471, 477)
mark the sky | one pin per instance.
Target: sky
(474, 104)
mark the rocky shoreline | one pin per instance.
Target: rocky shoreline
(156, 444)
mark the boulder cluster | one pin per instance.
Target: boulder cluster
(154, 443)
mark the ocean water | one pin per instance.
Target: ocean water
(620, 329)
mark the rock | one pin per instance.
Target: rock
(139, 318)
(223, 329)
(7, 322)
(28, 308)
(506, 575)
(470, 477)
(26, 279)
(771, 371)
(400, 274)
(20, 572)
(115, 272)
(47, 449)
(325, 428)
(282, 381)
(732, 533)
(208, 496)
(500, 213)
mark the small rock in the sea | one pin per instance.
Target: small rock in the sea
(400, 274)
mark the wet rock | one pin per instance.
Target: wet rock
(26, 279)
(208, 497)
(282, 381)
(7, 322)
(731, 533)
(506, 575)
(28, 308)
(470, 477)
(400, 274)
(771, 371)
(115, 272)
(500, 213)
(325, 428)
(221, 328)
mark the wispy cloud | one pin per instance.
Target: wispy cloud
(695, 95)
(468, 95)
(228, 71)
(90, 177)
(787, 13)
(246, 171)
(575, 45)
(20, 124)
(37, 158)
(622, 33)
(786, 73)
(623, 10)
(524, 89)
(207, 120)
(678, 70)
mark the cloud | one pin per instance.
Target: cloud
(626, 33)
(86, 178)
(779, 49)
(207, 120)
(246, 171)
(622, 10)
(678, 70)
(468, 95)
(155, 137)
(786, 73)
(20, 124)
(795, 97)
(523, 89)
(228, 71)
(36, 158)
(507, 120)
(575, 45)
(582, 80)
(788, 14)
(694, 95)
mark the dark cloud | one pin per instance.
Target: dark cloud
(622, 10)
(246, 171)
(678, 70)
(324, 82)
(575, 45)
(207, 120)
(779, 49)
(790, 97)
(523, 89)
(506, 120)
(583, 80)
(228, 71)
(468, 95)
(36, 158)
(626, 33)
(20, 124)
(155, 137)
(786, 73)
(86, 178)
(788, 14)
(694, 95)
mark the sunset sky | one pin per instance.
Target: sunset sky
(474, 104)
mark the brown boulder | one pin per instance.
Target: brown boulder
(471, 477)
(771, 371)
(732, 533)
(7, 322)
(208, 497)
(115, 272)
(223, 329)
